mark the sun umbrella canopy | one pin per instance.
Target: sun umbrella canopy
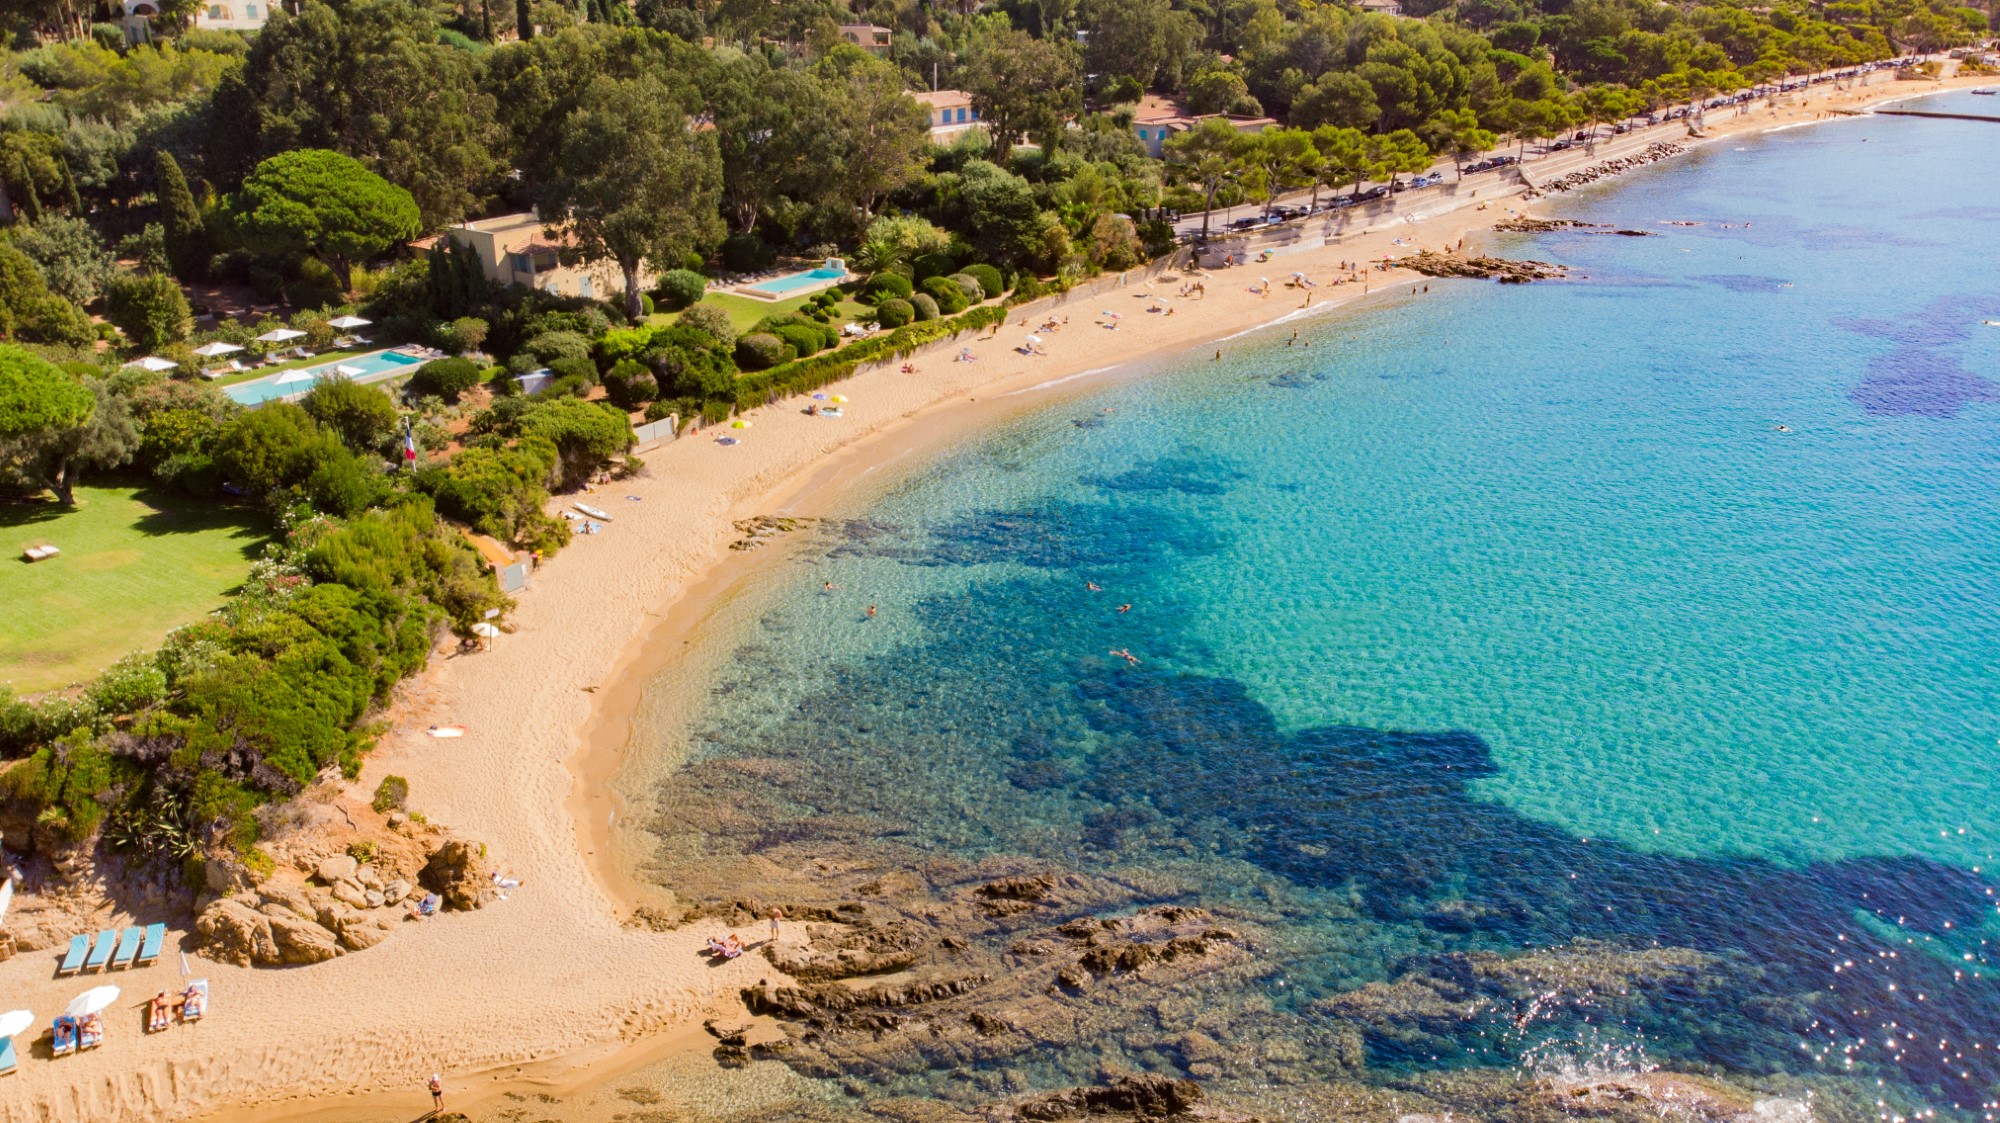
(280, 335)
(14, 1021)
(820, 397)
(484, 629)
(739, 424)
(211, 350)
(346, 322)
(348, 371)
(91, 1001)
(153, 363)
(1036, 340)
(292, 376)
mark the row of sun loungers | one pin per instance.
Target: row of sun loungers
(113, 948)
(40, 553)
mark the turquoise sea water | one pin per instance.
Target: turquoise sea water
(1658, 606)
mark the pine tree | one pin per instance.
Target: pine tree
(187, 239)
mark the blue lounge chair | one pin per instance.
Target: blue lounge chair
(128, 948)
(7, 1062)
(156, 934)
(79, 946)
(101, 954)
(62, 1039)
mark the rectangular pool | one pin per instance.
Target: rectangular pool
(792, 282)
(286, 384)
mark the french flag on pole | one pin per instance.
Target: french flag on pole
(409, 444)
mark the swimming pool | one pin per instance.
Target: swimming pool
(792, 282)
(285, 384)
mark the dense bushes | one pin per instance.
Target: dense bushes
(500, 490)
(933, 265)
(991, 283)
(680, 288)
(761, 350)
(894, 313)
(811, 374)
(630, 385)
(549, 346)
(923, 306)
(887, 286)
(444, 378)
(949, 294)
(746, 253)
(712, 320)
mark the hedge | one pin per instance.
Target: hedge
(806, 340)
(949, 294)
(888, 286)
(975, 291)
(761, 350)
(924, 306)
(807, 375)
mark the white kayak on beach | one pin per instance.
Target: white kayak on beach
(591, 511)
(447, 731)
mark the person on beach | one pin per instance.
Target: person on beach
(437, 1092)
(777, 914)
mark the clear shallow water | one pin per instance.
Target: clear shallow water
(372, 368)
(1498, 618)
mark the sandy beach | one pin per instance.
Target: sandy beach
(554, 990)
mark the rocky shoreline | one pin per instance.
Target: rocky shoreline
(1507, 271)
(1654, 153)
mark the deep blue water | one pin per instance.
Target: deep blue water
(1660, 607)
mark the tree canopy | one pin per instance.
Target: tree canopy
(325, 204)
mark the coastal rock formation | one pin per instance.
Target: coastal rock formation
(1508, 272)
(1141, 1097)
(1654, 153)
(457, 873)
(1526, 225)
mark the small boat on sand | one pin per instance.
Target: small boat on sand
(591, 511)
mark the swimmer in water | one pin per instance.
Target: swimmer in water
(871, 612)
(1093, 586)
(1124, 608)
(829, 587)
(1784, 428)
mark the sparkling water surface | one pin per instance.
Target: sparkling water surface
(1658, 606)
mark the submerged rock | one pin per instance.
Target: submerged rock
(1507, 271)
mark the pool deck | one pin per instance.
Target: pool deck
(750, 290)
(305, 385)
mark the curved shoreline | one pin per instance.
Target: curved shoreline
(550, 712)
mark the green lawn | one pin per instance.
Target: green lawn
(745, 311)
(135, 565)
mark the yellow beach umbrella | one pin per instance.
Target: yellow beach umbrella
(739, 423)
(839, 398)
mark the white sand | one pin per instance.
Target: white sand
(553, 973)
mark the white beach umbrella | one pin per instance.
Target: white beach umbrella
(211, 350)
(14, 1021)
(280, 335)
(346, 322)
(1034, 341)
(91, 1001)
(350, 372)
(484, 629)
(292, 376)
(153, 363)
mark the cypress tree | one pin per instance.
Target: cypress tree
(524, 23)
(187, 239)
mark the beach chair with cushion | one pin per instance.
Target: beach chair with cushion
(7, 1062)
(79, 947)
(156, 935)
(101, 954)
(89, 1031)
(194, 1003)
(128, 947)
(62, 1040)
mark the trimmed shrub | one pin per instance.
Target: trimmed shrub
(805, 339)
(989, 278)
(444, 378)
(575, 368)
(712, 320)
(745, 252)
(949, 294)
(887, 286)
(924, 307)
(681, 287)
(630, 384)
(646, 304)
(933, 265)
(552, 345)
(392, 794)
(761, 351)
(894, 313)
(974, 291)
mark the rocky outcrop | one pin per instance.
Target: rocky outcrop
(1141, 1097)
(300, 941)
(233, 932)
(1504, 270)
(457, 873)
(1526, 225)
(1654, 153)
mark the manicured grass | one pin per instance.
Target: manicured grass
(135, 565)
(745, 311)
